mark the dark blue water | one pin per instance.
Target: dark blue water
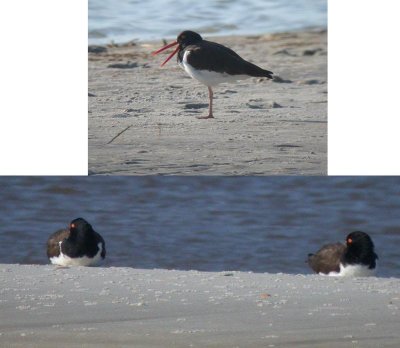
(259, 224)
(125, 20)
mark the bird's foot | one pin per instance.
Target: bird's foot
(204, 117)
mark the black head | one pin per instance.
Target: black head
(187, 38)
(80, 227)
(358, 238)
(360, 249)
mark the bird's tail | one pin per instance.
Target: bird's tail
(268, 74)
(309, 256)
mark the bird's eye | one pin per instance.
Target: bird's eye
(72, 225)
(349, 241)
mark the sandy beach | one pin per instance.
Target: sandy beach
(142, 117)
(108, 307)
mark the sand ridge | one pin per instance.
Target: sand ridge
(108, 307)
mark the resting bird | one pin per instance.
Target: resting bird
(79, 245)
(356, 258)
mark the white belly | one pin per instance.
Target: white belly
(65, 260)
(206, 77)
(353, 271)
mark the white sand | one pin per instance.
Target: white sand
(261, 127)
(42, 306)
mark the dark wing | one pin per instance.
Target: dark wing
(216, 57)
(327, 259)
(53, 246)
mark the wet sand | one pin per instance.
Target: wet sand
(142, 118)
(44, 306)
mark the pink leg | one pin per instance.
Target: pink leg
(210, 114)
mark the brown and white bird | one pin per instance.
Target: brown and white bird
(79, 245)
(356, 258)
(211, 63)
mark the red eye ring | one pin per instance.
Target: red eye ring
(349, 241)
(72, 225)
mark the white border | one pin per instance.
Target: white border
(363, 82)
(43, 81)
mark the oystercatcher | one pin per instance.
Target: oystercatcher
(211, 63)
(79, 245)
(356, 258)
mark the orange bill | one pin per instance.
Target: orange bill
(164, 48)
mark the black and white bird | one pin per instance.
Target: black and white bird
(79, 245)
(211, 63)
(356, 258)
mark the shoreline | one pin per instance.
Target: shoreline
(142, 117)
(137, 40)
(108, 307)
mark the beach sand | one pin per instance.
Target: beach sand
(45, 306)
(262, 127)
